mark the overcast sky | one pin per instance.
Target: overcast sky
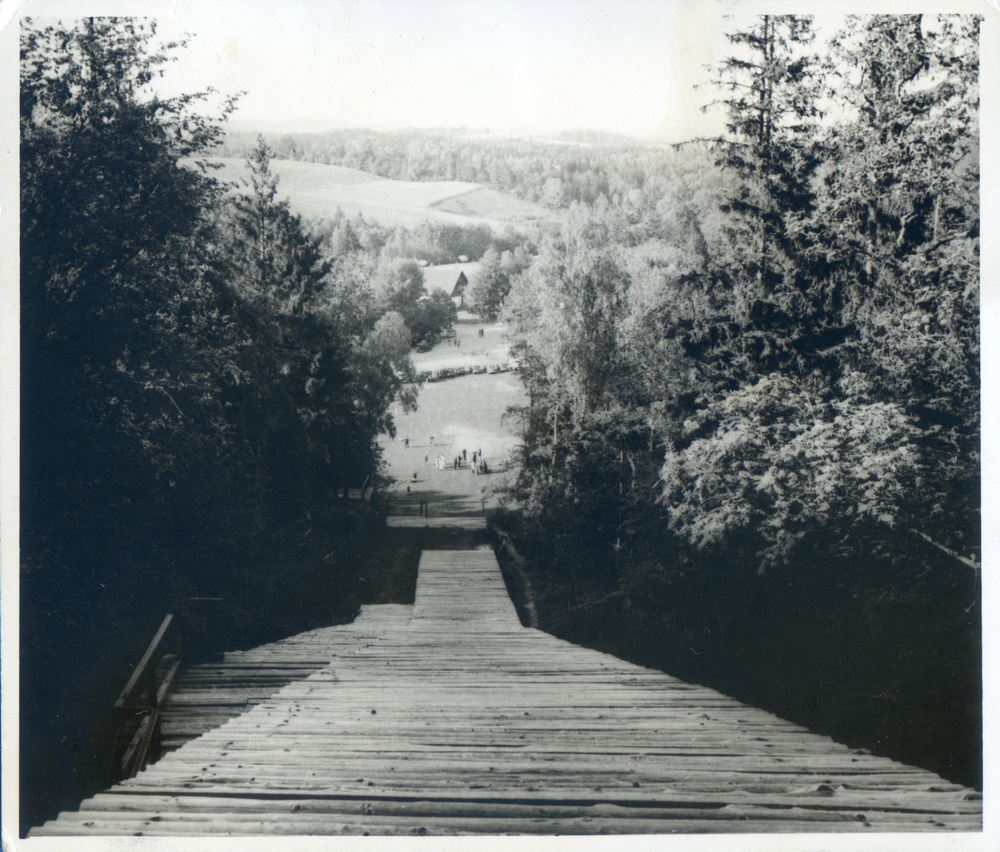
(626, 66)
(540, 66)
(508, 65)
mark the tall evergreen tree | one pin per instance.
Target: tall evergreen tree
(770, 90)
(281, 262)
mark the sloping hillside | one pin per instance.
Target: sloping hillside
(317, 191)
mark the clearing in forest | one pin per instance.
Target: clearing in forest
(315, 190)
(462, 413)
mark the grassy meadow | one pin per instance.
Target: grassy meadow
(317, 191)
(464, 413)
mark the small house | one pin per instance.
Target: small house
(458, 291)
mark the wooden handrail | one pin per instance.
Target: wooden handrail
(144, 696)
(975, 566)
(142, 692)
(140, 670)
(139, 749)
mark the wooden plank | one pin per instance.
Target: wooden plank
(884, 802)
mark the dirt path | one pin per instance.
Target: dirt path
(456, 416)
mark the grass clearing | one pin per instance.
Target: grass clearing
(489, 204)
(464, 413)
(467, 348)
(317, 191)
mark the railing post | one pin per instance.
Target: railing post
(142, 693)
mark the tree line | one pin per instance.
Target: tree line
(195, 356)
(554, 173)
(202, 373)
(806, 352)
(775, 375)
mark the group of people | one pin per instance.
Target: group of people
(477, 466)
(478, 463)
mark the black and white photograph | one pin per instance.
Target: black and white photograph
(527, 422)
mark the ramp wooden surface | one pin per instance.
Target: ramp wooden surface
(208, 694)
(412, 522)
(451, 718)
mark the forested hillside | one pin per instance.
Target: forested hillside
(551, 172)
(751, 410)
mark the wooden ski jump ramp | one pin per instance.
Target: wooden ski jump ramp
(449, 717)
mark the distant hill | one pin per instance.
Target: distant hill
(317, 191)
(294, 125)
(592, 137)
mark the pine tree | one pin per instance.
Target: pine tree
(898, 236)
(770, 91)
(278, 261)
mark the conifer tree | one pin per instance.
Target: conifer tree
(279, 261)
(769, 90)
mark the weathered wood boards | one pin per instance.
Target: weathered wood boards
(451, 718)
(206, 695)
(411, 522)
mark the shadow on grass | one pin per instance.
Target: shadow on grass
(437, 503)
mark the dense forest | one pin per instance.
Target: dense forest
(752, 366)
(202, 374)
(753, 430)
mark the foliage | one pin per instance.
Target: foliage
(864, 294)
(107, 260)
(398, 285)
(799, 344)
(555, 172)
(493, 281)
(775, 461)
(283, 267)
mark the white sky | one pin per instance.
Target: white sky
(510, 66)
(628, 66)
(507, 65)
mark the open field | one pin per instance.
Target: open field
(467, 349)
(491, 205)
(316, 191)
(463, 413)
